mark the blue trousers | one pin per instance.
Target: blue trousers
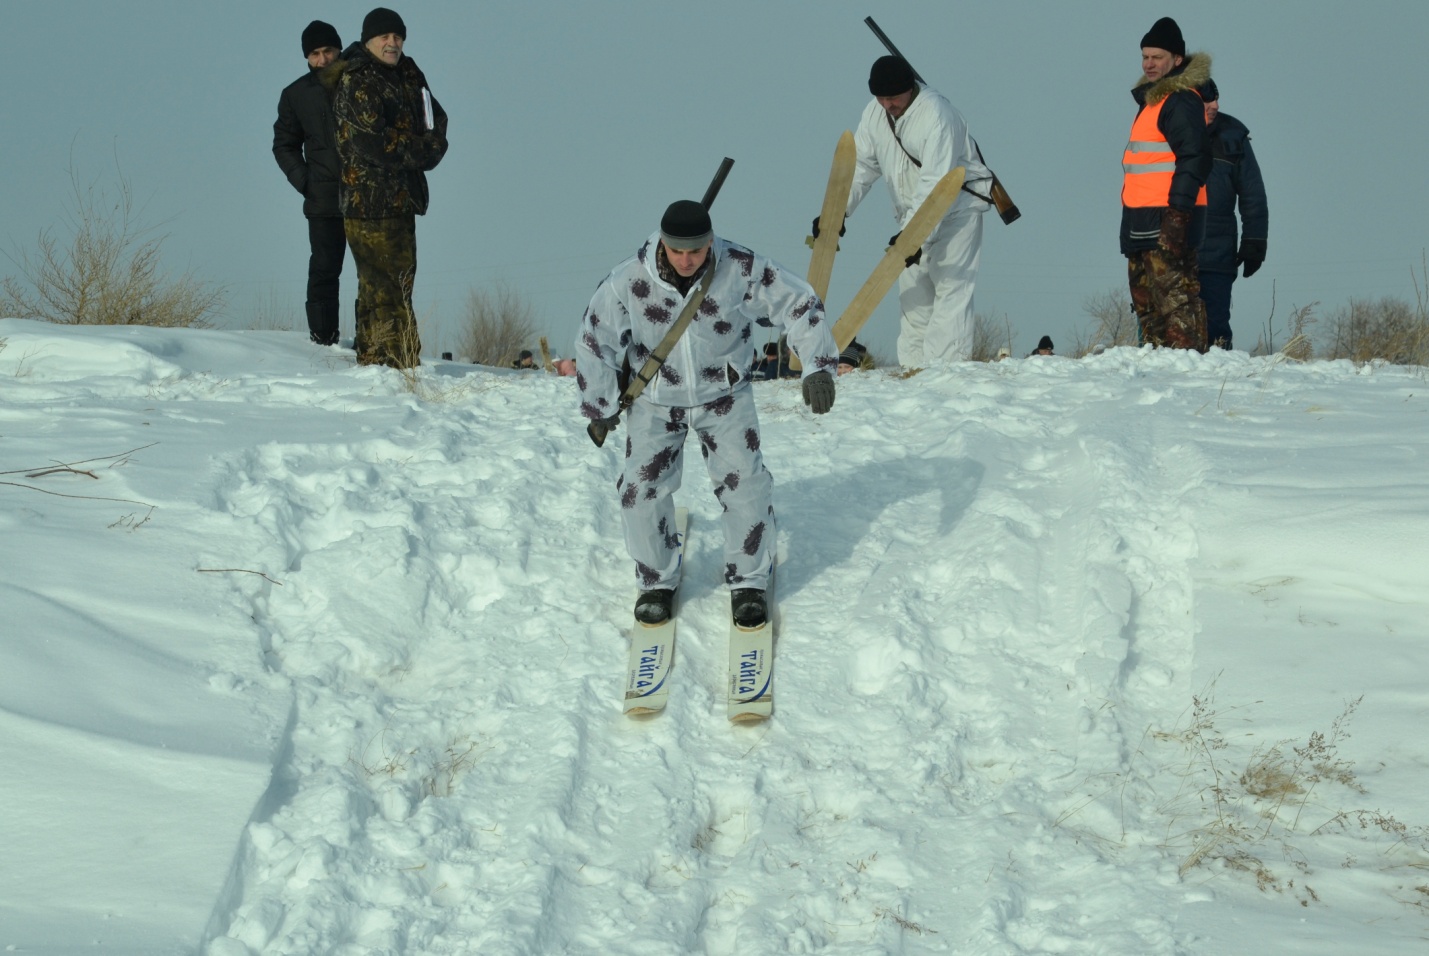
(1216, 293)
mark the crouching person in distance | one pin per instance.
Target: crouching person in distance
(704, 386)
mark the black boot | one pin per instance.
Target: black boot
(747, 606)
(322, 322)
(653, 607)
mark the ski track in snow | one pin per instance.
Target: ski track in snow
(411, 814)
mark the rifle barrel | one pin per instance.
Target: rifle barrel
(888, 44)
(717, 183)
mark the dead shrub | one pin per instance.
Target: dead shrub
(990, 337)
(1113, 322)
(1388, 329)
(499, 323)
(106, 272)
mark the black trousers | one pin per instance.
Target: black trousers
(327, 241)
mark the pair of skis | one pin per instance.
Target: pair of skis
(831, 216)
(750, 683)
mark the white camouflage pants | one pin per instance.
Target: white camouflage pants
(936, 296)
(728, 434)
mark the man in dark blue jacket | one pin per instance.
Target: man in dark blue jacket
(1235, 179)
(305, 146)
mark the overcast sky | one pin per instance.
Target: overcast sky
(573, 124)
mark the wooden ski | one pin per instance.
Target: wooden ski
(826, 243)
(894, 261)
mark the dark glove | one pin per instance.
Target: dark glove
(1252, 253)
(819, 392)
(816, 227)
(1174, 225)
(912, 260)
(600, 427)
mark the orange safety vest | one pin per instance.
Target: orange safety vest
(1148, 164)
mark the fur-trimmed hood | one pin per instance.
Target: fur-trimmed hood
(1194, 70)
(346, 60)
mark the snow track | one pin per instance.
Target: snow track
(459, 777)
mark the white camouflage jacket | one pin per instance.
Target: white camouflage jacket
(937, 136)
(633, 308)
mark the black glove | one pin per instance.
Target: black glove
(600, 427)
(816, 226)
(912, 260)
(1252, 253)
(819, 392)
(1174, 225)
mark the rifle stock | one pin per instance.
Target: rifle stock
(1006, 208)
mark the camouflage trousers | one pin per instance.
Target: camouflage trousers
(727, 430)
(385, 252)
(1166, 294)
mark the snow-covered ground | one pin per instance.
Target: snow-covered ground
(1121, 656)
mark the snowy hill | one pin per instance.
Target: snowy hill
(1122, 656)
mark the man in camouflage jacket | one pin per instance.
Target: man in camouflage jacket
(390, 131)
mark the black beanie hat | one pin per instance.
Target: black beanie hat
(1210, 92)
(686, 225)
(319, 34)
(1165, 35)
(1045, 343)
(890, 76)
(381, 22)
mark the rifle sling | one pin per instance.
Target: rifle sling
(967, 187)
(651, 368)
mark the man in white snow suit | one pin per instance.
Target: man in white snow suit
(704, 386)
(305, 146)
(911, 136)
(1163, 195)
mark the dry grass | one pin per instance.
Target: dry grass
(102, 266)
(498, 324)
(1258, 812)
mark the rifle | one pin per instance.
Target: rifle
(631, 387)
(1005, 207)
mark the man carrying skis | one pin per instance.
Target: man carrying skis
(911, 135)
(1163, 194)
(703, 385)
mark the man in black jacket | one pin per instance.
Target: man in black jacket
(1235, 180)
(1163, 196)
(305, 146)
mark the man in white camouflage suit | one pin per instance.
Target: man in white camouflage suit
(703, 385)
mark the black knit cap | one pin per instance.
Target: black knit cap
(686, 225)
(890, 76)
(1209, 91)
(1165, 35)
(381, 22)
(1045, 343)
(318, 34)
